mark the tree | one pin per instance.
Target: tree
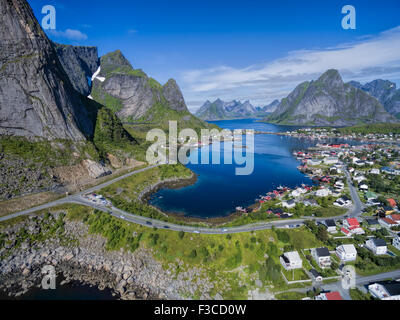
(322, 234)
(193, 254)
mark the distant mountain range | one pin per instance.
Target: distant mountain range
(221, 110)
(331, 102)
(386, 93)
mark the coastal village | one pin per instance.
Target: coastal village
(366, 233)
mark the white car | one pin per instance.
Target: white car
(196, 231)
(122, 217)
(224, 230)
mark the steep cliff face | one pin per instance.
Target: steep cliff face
(36, 96)
(329, 101)
(220, 110)
(130, 92)
(174, 96)
(386, 93)
(271, 107)
(80, 63)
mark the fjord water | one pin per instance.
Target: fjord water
(219, 190)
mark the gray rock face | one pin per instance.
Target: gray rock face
(383, 90)
(174, 96)
(219, 110)
(80, 63)
(328, 101)
(130, 92)
(271, 107)
(36, 96)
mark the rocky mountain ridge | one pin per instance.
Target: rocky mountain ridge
(385, 92)
(37, 98)
(80, 63)
(221, 110)
(328, 101)
(130, 92)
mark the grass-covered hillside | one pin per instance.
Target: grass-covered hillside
(381, 128)
(140, 101)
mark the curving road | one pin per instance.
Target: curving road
(152, 223)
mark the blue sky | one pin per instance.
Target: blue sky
(247, 50)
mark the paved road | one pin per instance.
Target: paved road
(148, 222)
(75, 197)
(358, 205)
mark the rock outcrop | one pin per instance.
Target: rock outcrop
(173, 94)
(270, 107)
(386, 93)
(131, 93)
(329, 101)
(78, 255)
(37, 98)
(80, 63)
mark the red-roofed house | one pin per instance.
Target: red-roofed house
(334, 295)
(391, 202)
(352, 226)
(395, 217)
(388, 222)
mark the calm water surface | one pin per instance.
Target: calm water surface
(219, 190)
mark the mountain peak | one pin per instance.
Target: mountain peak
(235, 109)
(331, 76)
(328, 101)
(115, 58)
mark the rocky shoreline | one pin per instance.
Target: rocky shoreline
(84, 259)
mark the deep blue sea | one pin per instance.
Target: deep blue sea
(219, 190)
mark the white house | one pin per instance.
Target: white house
(331, 160)
(388, 290)
(295, 193)
(346, 252)
(291, 260)
(330, 225)
(375, 171)
(313, 162)
(355, 159)
(288, 204)
(359, 178)
(339, 185)
(377, 246)
(396, 242)
(322, 257)
(363, 187)
(387, 222)
(343, 202)
(323, 192)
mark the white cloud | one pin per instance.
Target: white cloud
(367, 59)
(68, 34)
